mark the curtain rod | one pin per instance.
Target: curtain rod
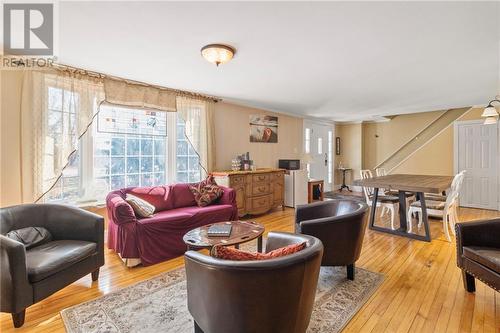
(94, 74)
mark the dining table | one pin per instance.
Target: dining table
(405, 183)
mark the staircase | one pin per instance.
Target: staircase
(419, 140)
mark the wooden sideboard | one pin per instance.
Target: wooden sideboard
(256, 191)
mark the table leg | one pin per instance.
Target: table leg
(402, 231)
(425, 220)
(237, 246)
(374, 207)
(403, 225)
(259, 244)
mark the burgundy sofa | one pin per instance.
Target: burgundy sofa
(159, 238)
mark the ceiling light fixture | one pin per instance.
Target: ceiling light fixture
(490, 112)
(217, 53)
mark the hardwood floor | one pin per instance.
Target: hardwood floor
(422, 290)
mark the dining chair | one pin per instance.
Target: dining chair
(456, 186)
(386, 202)
(447, 210)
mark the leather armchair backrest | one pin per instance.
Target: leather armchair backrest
(339, 224)
(63, 222)
(275, 295)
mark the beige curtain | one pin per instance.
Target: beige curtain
(134, 94)
(199, 117)
(57, 108)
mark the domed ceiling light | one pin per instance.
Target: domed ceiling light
(217, 53)
(491, 113)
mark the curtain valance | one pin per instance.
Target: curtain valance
(133, 94)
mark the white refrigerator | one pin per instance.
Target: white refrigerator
(295, 187)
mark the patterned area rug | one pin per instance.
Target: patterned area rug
(160, 305)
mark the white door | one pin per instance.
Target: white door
(319, 143)
(477, 153)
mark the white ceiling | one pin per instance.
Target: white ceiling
(336, 60)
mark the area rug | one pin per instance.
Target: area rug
(160, 305)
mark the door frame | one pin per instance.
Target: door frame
(456, 123)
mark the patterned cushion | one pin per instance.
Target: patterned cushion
(429, 204)
(30, 236)
(229, 253)
(206, 192)
(435, 197)
(141, 207)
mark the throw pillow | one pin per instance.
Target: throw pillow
(31, 236)
(206, 192)
(228, 253)
(141, 207)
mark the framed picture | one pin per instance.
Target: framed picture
(337, 145)
(263, 128)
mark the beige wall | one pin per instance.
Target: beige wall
(10, 146)
(381, 140)
(233, 131)
(436, 157)
(433, 158)
(351, 150)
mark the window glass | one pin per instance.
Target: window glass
(61, 125)
(128, 148)
(188, 162)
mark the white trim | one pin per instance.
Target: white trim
(455, 149)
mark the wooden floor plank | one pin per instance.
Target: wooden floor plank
(422, 289)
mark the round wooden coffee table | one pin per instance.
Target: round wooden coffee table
(241, 232)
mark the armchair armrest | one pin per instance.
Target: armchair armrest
(17, 292)
(478, 233)
(119, 210)
(228, 197)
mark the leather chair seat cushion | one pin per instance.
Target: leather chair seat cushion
(48, 259)
(486, 256)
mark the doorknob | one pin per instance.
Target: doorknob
(326, 159)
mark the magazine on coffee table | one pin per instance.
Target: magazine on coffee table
(219, 230)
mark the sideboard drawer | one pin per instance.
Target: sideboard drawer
(260, 178)
(261, 189)
(237, 180)
(261, 204)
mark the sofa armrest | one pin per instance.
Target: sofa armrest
(119, 210)
(228, 197)
(17, 292)
(478, 233)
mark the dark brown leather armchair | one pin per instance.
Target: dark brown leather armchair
(340, 225)
(265, 296)
(30, 275)
(478, 253)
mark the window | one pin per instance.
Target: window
(61, 126)
(330, 157)
(320, 146)
(188, 162)
(307, 141)
(125, 147)
(129, 148)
